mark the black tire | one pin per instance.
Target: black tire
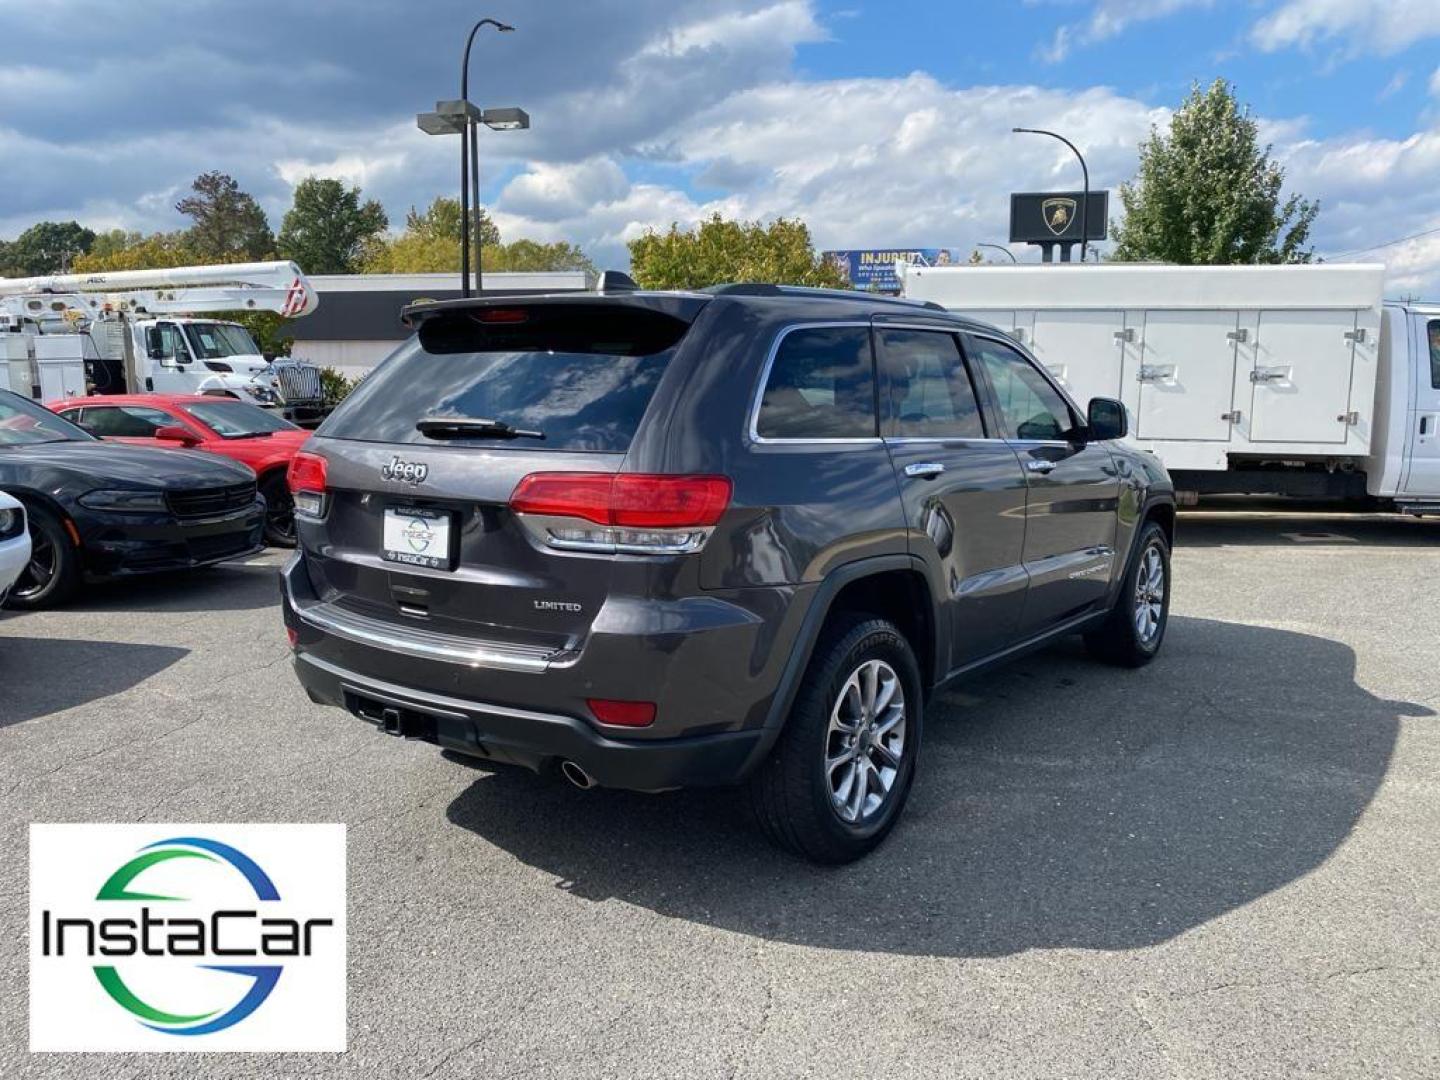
(791, 795)
(1119, 639)
(279, 511)
(53, 574)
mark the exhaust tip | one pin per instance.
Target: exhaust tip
(576, 775)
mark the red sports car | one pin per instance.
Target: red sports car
(236, 429)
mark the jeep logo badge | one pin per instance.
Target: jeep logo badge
(410, 472)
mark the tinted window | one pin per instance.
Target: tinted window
(126, 421)
(581, 401)
(236, 419)
(23, 422)
(928, 390)
(1433, 329)
(821, 386)
(1029, 406)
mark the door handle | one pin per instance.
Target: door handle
(1040, 465)
(925, 470)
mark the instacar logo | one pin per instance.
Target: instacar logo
(188, 938)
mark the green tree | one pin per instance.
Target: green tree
(327, 229)
(532, 255)
(442, 219)
(1207, 192)
(430, 244)
(49, 247)
(719, 251)
(229, 225)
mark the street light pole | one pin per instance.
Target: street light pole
(470, 162)
(1084, 206)
(999, 247)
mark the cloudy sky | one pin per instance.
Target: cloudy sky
(879, 122)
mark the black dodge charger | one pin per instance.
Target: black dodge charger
(100, 509)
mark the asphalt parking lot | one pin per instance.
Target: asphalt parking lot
(1227, 864)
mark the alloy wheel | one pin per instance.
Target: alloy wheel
(865, 742)
(1149, 595)
(41, 569)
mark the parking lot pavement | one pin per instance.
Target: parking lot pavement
(1227, 864)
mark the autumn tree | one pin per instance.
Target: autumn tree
(718, 251)
(431, 244)
(229, 225)
(327, 229)
(1207, 192)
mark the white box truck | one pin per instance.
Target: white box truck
(1285, 380)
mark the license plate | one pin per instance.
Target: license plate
(417, 537)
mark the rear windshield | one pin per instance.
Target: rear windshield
(584, 391)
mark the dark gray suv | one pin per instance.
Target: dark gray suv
(658, 539)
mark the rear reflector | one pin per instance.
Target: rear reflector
(623, 713)
(625, 500)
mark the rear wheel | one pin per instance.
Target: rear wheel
(840, 774)
(53, 573)
(279, 511)
(1135, 628)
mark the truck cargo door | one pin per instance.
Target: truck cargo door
(1422, 476)
(1082, 349)
(1301, 377)
(1187, 375)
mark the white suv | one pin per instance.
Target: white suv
(14, 543)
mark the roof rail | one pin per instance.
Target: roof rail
(615, 281)
(756, 288)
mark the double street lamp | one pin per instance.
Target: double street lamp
(464, 119)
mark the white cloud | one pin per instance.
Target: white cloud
(1384, 26)
(1108, 19)
(1435, 82)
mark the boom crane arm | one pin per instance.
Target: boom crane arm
(269, 286)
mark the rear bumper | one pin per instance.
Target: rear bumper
(536, 740)
(708, 664)
(116, 545)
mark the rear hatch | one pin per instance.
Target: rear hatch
(418, 529)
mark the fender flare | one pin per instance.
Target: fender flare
(1162, 498)
(803, 647)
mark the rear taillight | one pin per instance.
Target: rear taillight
(641, 513)
(306, 479)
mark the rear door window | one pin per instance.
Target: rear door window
(583, 378)
(821, 386)
(927, 389)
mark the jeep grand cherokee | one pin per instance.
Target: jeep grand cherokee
(657, 539)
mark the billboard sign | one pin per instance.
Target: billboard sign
(1054, 217)
(873, 269)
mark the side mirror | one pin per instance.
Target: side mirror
(176, 433)
(154, 345)
(1105, 419)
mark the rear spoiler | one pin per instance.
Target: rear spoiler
(684, 306)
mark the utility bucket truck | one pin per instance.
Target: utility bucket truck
(142, 331)
(1267, 380)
